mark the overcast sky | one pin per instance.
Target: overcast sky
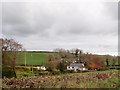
(90, 26)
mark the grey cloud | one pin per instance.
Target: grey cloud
(111, 9)
(38, 20)
(46, 26)
(22, 22)
(13, 13)
(15, 19)
(0, 20)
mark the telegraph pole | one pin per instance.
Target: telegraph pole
(25, 58)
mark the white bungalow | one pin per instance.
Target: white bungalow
(76, 67)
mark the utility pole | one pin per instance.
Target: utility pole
(25, 58)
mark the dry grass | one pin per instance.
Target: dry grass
(102, 79)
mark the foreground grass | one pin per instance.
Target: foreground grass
(99, 79)
(21, 74)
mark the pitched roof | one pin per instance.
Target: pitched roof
(76, 64)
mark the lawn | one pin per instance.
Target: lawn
(32, 58)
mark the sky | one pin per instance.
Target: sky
(44, 25)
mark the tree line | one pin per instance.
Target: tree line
(58, 60)
(61, 58)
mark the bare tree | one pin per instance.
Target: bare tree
(52, 61)
(10, 50)
(77, 53)
(59, 50)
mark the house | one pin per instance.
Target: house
(76, 67)
(43, 68)
(40, 68)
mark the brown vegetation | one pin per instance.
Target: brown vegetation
(76, 80)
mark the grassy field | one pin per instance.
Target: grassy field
(32, 58)
(37, 58)
(96, 79)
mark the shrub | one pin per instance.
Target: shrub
(55, 72)
(35, 69)
(70, 71)
(25, 75)
(24, 68)
(7, 72)
(44, 73)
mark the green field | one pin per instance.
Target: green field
(32, 58)
(37, 58)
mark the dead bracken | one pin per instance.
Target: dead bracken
(61, 81)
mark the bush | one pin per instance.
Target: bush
(22, 68)
(7, 72)
(44, 73)
(34, 69)
(56, 72)
(25, 75)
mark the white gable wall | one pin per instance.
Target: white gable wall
(75, 68)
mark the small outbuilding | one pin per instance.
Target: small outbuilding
(43, 68)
